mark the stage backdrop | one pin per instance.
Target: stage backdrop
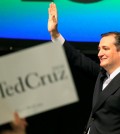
(79, 20)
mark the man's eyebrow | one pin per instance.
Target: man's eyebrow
(102, 47)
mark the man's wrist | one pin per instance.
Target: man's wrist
(54, 34)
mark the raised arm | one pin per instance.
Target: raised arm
(75, 57)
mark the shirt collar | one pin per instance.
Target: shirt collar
(112, 75)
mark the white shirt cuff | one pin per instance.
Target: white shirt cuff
(59, 41)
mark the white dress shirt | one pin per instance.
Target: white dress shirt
(110, 77)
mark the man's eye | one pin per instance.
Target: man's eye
(106, 48)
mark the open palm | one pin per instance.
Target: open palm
(52, 21)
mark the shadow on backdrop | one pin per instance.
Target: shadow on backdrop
(86, 1)
(38, 0)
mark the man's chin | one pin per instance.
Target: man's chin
(102, 65)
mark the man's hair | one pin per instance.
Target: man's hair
(117, 37)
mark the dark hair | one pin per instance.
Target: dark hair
(117, 37)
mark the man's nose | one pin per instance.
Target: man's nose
(100, 53)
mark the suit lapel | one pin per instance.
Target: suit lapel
(110, 89)
(97, 90)
(98, 85)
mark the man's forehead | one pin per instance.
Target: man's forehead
(107, 40)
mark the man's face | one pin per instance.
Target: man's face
(108, 54)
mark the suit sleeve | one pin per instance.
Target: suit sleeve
(81, 62)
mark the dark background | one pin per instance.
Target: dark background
(70, 119)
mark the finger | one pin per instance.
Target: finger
(52, 10)
(20, 122)
(16, 118)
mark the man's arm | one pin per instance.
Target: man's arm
(75, 57)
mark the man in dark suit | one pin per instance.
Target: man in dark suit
(105, 113)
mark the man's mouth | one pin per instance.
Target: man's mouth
(102, 59)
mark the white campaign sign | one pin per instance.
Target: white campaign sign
(35, 80)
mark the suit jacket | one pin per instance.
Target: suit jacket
(105, 113)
